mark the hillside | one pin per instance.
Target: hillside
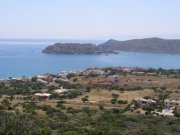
(92, 104)
(144, 45)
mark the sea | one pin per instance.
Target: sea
(25, 58)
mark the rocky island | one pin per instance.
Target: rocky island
(75, 48)
(156, 45)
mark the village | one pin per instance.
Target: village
(144, 91)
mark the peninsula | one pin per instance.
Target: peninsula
(156, 45)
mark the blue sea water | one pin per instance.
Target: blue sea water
(26, 59)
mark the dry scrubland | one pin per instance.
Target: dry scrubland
(92, 106)
(150, 86)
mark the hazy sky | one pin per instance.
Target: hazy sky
(89, 19)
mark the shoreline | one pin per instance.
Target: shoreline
(79, 71)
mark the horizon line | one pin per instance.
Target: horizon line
(52, 39)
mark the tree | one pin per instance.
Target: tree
(88, 89)
(52, 87)
(43, 131)
(84, 99)
(113, 101)
(147, 97)
(148, 108)
(101, 106)
(115, 96)
(60, 105)
(55, 96)
(5, 103)
(34, 79)
(75, 79)
(122, 101)
(13, 126)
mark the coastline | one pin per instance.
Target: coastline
(123, 68)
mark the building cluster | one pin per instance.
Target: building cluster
(46, 96)
(170, 106)
(93, 71)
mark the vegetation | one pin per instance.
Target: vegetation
(92, 106)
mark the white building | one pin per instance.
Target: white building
(42, 96)
(63, 74)
(142, 101)
(138, 73)
(97, 72)
(41, 76)
(61, 80)
(171, 103)
(126, 70)
(61, 91)
(165, 112)
(42, 81)
(93, 72)
(113, 78)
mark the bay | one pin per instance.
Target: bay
(25, 59)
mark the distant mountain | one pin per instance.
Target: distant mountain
(111, 46)
(143, 45)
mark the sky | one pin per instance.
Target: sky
(89, 19)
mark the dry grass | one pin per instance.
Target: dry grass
(106, 95)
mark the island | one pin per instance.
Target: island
(75, 48)
(155, 45)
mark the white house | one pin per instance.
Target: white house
(93, 72)
(97, 72)
(42, 96)
(42, 81)
(63, 74)
(126, 70)
(171, 103)
(142, 101)
(60, 91)
(113, 78)
(138, 73)
(165, 112)
(61, 79)
(41, 76)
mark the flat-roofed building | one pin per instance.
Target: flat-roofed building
(42, 96)
(61, 91)
(113, 78)
(142, 101)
